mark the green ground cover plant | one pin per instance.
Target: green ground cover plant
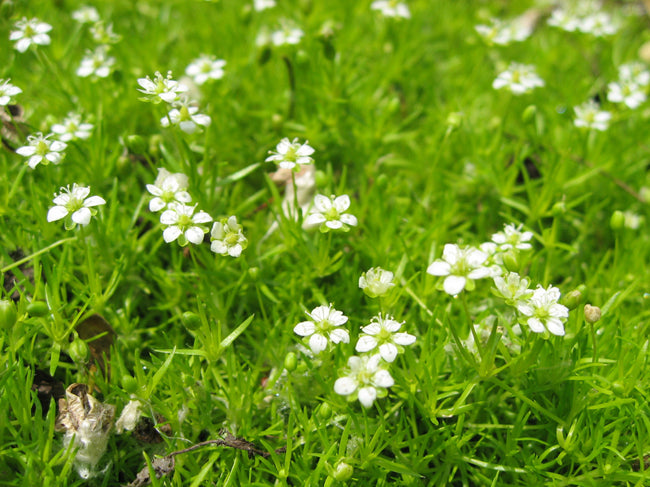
(303, 242)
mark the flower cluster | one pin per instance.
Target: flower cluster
(392, 8)
(631, 87)
(288, 34)
(97, 63)
(586, 16)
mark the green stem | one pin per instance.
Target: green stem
(36, 254)
(292, 87)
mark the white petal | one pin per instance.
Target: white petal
(334, 224)
(317, 343)
(344, 386)
(171, 233)
(58, 146)
(339, 335)
(392, 325)
(555, 326)
(235, 251)
(315, 219)
(194, 235)
(26, 151)
(202, 217)
(187, 126)
(536, 325)
(57, 213)
(349, 219)
(81, 216)
(169, 217)
(156, 204)
(322, 203)
(454, 284)
(403, 339)
(388, 352)
(305, 328)
(451, 253)
(480, 273)
(383, 379)
(202, 119)
(475, 257)
(439, 268)
(342, 203)
(34, 161)
(372, 329)
(94, 201)
(367, 396)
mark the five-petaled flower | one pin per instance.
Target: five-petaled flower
(86, 15)
(376, 282)
(185, 116)
(330, 213)
(205, 68)
(544, 312)
(513, 238)
(42, 150)
(518, 78)
(461, 266)
(28, 32)
(228, 238)
(168, 189)
(513, 288)
(76, 203)
(366, 377)
(382, 333)
(96, 63)
(183, 224)
(590, 116)
(323, 327)
(72, 128)
(7, 91)
(160, 88)
(628, 92)
(291, 155)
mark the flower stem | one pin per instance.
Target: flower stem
(292, 87)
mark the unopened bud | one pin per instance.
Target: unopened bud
(617, 222)
(324, 411)
(38, 309)
(592, 313)
(558, 209)
(192, 321)
(135, 144)
(454, 120)
(129, 384)
(573, 299)
(79, 351)
(290, 362)
(343, 471)
(529, 114)
(8, 314)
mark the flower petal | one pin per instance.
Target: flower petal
(383, 379)
(388, 352)
(57, 213)
(339, 335)
(317, 343)
(194, 235)
(367, 396)
(305, 328)
(365, 344)
(454, 284)
(81, 216)
(439, 268)
(345, 386)
(94, 201)
(403, 338)
(171, 233)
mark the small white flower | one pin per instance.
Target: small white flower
(513, 288)
(205, 68)
(7, 91)
(634, 72)
(103, 33)
(376, 282)
(382, 333)
(72, 128)
(260, 5)
(590, 116)
(392, 8)
(503, 33)
(291, 155)
(544, 312)
(330, 213)
(161, 89)
(288, 34)
(96, 63)
(183, 224)
(632, 220)
(366, 377)
(513, 238)
(186, 117)
(29, 32)
(168, 189)
(86, 15)
(564, 19)
(627, 92)
(228, 238)
(598, 24)
(461, 266)
(518, 78)
(42, 150)
(323, 328)
(74, 202)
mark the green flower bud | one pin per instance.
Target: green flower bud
(559, 209)
(8, 314)
(129, 384)
(135, 144)
(511, 260)
(573, 299)
(79, 351)
(38, 309)
(277, 121)
(454, 120)
(617, 221)
(529, 114)
(592, 313)
(254, 273)
(324, 411)
(155, 141)
(343, 471)
(290, 362)
(191, 320)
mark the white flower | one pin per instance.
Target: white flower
(513, 237)
(74, 202)
(291, 155)
(129, 417)
(513, 288)
(86, 15)
(184, 225)
(518, 78)
(598, 24)
(632, 220)
(330, 214)
(288, 34)
(72, 128)
(634, 72)
(205, 68)
(161, 89)
(503, 33)
(544, 312)
(323, 327)
(103, 33)
(168, 189)
(461, 266)
(627, 92)
(228, 238)
(589, 115)
(366, 377)
(7, 91)
(96, 63)
(42, 150)
(392, 8)
(29, 32)
(564, 19)
(382, 333)
(260, 5)
(186, 117)
(376, 282)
